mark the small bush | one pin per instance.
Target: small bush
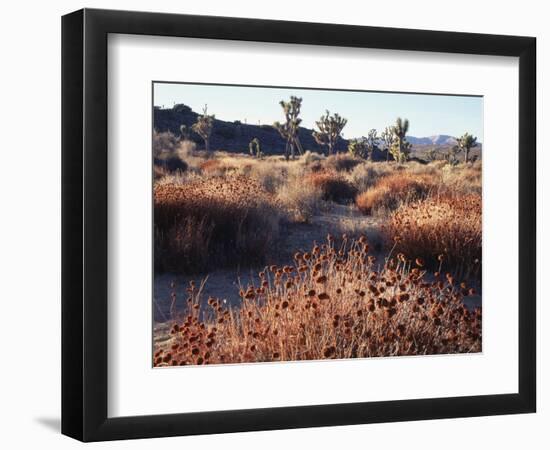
(310, 157)
(186, 149)
(444, 231)
(164, 143)
(333, 187)
(342, 162)
(393, 190)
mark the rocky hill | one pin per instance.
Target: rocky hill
(235, 136)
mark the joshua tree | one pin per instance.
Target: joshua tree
(330, 128)
(358, 147)
(372, 141)
(465, 143)
(203, 127)
(452, 155)
(363, 147)
(387, 141)
(254, 148)
(400, 148)
(289, 129)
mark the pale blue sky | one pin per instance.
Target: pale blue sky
(428, 114)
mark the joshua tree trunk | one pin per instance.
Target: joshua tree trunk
(299, 146)
(466, 153)
(207, 145)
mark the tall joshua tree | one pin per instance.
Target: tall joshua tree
(387, 139)
(330, 128)
(372, 141)
(289, 129)
(400, 148)
(465, 143)
(203, 127)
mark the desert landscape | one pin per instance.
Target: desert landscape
(278, 242)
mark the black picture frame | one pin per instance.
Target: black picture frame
(84, 224)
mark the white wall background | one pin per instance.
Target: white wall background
(30, 222)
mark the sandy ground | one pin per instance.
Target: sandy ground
(224, 284)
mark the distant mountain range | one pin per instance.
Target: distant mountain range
(440, 139)
(235, 136)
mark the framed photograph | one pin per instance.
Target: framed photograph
(273, 224)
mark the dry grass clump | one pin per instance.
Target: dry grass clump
(273, 174)
(332, 303)
(365, 175)
(310, 157)
(393, 190)
(212, 222)
(464, 178)
(332, 185)
(300, 200)
(444, 228)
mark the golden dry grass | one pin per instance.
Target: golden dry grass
(333, 302)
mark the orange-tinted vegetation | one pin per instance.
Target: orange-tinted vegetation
(332, 302)
(212, 222)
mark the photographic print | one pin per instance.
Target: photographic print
(297, 224)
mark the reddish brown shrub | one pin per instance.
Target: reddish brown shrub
(212, 222)
(392, 190)
(444, 231)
